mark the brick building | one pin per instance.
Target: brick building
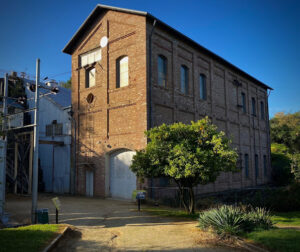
(149, 74)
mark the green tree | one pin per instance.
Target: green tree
(189, 154)
(66, 84)
(285, 129)
(285, 137)
(295, 166)
(281, 164)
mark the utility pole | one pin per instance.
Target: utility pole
(4, 148)
(35, 146)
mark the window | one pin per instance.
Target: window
(202, 86)
(265, 165)
(262, 110)
(49, 130)
(90, 80)
(90, 57)
(253, 106)
(54, 129)
(246, 165)
(244, 102)
(256, 166)
(184, 79)
(122, 72)
(58, 129)
(162, 71)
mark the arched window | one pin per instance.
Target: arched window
(90, 77)
(253, 106)
(202, 86)
(244, 102)
(162, 71)
(184, 79)
(122, 72)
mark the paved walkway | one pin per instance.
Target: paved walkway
(110, 225)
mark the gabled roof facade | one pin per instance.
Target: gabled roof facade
(70, 47)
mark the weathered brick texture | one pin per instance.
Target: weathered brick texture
(118, 117)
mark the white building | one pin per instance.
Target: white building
(55, 137)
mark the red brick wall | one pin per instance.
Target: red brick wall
(117, 117)
(249, 134)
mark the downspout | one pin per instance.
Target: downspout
(150, 76)
(74, 173)
(150, 92)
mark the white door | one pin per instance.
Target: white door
(122, 179)
(89, 183)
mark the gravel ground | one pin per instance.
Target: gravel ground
(111, 225)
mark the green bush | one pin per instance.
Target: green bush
(281, 169)
(259, 218)
(278, 199)
(231, 220)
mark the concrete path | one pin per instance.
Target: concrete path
(110, 225)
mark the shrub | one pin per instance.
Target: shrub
(259, 218)
(231, 220)
(281, 169)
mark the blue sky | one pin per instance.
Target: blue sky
(262, 37)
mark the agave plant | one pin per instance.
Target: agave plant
(224, 220)
(260, 217)
(231, 220)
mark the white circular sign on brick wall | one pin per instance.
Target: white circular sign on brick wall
(103, 41)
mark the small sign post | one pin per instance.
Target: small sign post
(57, 205)
(140, 196)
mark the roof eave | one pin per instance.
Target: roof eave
(68, 48)
(208, 51)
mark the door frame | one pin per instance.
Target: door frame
(107, 167)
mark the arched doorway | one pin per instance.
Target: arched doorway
(122, 181)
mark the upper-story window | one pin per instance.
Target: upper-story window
(90, 78)
(202, 86)
(262, 110)
(122, 72)
(244, 103)
(184, 79)
(162, 71)
(253, 106)
(54, 129)
(90, 57)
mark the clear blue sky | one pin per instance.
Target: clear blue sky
(262, 37)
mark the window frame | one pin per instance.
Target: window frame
(202, 87)
(118, 71)
(164, 61)
(253, 106)
(244, 103)
(87, 77)
(184, 69)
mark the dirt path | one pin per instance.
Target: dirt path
(110, 225)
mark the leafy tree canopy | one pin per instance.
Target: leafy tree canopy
(285, 137)
(189, 154)
(285, 129)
